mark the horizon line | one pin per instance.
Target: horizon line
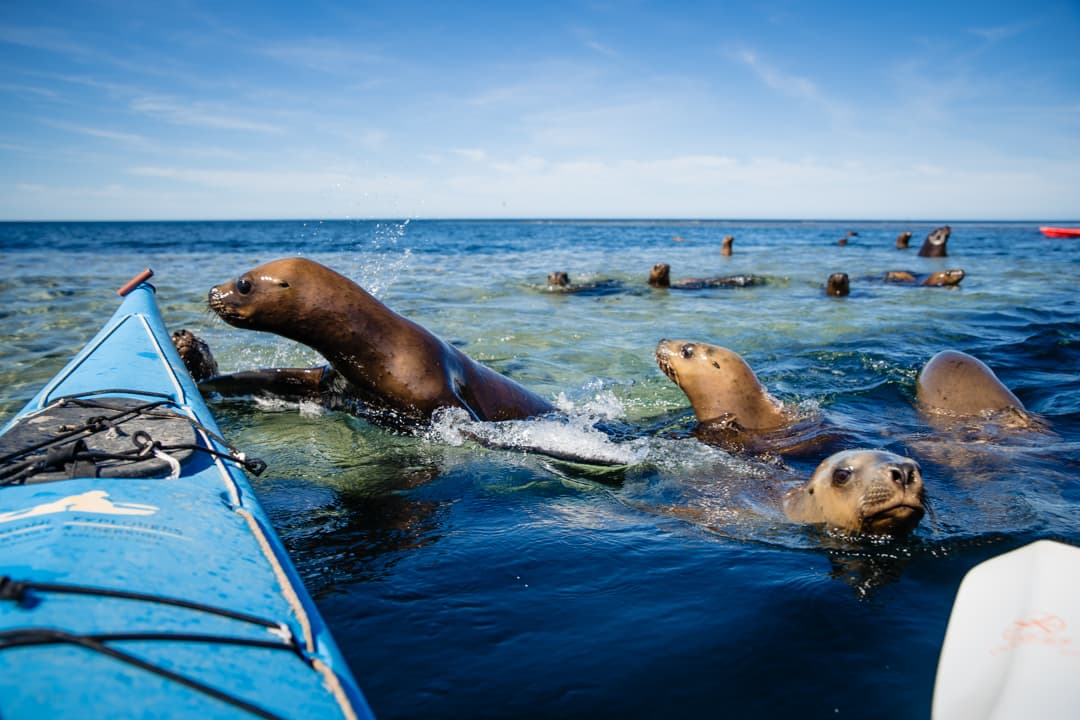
(549, 219)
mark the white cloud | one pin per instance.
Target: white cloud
(117, 136)
(792, 85)
(324, 55)
(198, 114)
(471, 154)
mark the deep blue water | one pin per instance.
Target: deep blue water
(466, 581)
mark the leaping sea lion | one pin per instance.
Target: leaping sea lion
(861, 491)
(389, 364)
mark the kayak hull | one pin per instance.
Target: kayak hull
(1058, 232)
(177, 550)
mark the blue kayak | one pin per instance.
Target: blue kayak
(139, 577)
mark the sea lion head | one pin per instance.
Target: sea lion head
(945, 278)
(955, 383)
(719, 384)
(263, 297)
(936, 243)
(558, 279)
(838, 285)
(861, 491)
(660, 275)
(293, 297)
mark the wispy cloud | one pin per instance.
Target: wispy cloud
(105, 134)
(471, 154)
(324, 55)
(997, 33)
(198, 114)
(46, 39)
(587, 38)
(791, 85)
(17, 89)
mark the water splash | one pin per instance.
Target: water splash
(573, 438)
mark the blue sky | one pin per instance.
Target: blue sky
(193, 110)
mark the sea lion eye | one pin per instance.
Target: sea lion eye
(243, 286)
(688, 350)
(840, 476)
(282, 283)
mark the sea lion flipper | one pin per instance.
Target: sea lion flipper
(196, 355)
(285, 383)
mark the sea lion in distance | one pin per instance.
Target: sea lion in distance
(955, 383)
(660, 277)
(838, 285)
(936, 243)
(377, 357)
(861, 491)
(903, 240)
(941, 278)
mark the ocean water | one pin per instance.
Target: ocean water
(462, 580)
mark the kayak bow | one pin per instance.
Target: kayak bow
(139, 577)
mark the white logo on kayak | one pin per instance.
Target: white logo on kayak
(94, 501)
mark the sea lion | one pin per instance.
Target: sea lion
(861, 491)
(660, 277)
(196, 355)
(726, 248)
(941, 278)
(955, 383)
(903, 241)
(559, 282)
(838, 285)
(558, 279)
(393, 366)
(720, 385)
(936, 243)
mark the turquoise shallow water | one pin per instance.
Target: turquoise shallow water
(461, 580)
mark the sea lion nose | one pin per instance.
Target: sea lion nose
(902, 475)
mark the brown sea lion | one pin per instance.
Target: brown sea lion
(955, 383)
(390, 365)
(936, 243)
(559, 282)
(861, 491)
(941, 278)
(726, 248)
(660, 277)
(196, 355)
(558, 279)
(838, 285)
(720, 385)
(903, 241)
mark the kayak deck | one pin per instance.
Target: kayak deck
(166, 595)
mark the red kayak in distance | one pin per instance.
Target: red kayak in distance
(1056, 232)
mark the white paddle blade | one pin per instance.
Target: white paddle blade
(1012, 647)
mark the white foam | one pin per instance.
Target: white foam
(572, 437)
